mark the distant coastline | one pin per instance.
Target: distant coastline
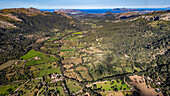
(111, 10)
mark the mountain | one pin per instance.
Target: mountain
(124, 9)
(69, 11)
(108, 13)
(127, 15)
(17, 23)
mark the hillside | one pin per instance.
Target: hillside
(124, 54)
(16, 25)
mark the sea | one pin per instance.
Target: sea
(105, 10)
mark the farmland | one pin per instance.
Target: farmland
(7, 89)
(97, 56)
(114, 85)
(49, 71)
(37, 58)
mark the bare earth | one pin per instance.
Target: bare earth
(145, 90)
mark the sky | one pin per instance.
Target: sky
(84, 4)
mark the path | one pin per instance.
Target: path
(21, 86)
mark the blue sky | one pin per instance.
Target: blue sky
(84, 4)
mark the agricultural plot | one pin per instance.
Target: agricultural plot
(68, 66)
(73, 86)
(54, 38)
(72, 74)
(74, 60)
(44, 59)
(37, 58)
(128, 70)
(119, 93)
(84, 73)
(7, 89)
(31, 54)
(117, 70)
(111, 86)
(64, 50)
(49, 44)
(77, 33)
(61, 91)
(29, 89)
(7, 64)
(49, 71)
(137, 69)
(42, 39)
(44, 66)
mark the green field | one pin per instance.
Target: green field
(44, 66)
(43, 58)
(137, 69)
(31, 54)
(49, 71)
(77, 33)
(73, 86)
(3, 89)
(54, 38)
(60, 89)
(63, 50)
(107, 85)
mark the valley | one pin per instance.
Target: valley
(84, 55)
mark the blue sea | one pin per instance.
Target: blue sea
(105, 10)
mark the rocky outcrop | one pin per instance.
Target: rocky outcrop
(10, 16)
(7, 25)
(165, 17)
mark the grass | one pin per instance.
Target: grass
(50, 44)
(3, 89)
(73, 86)
(64, 50)
(77, 33)
(45, 66)
(54, 38)
(113, 93)
(31, 54)
(84, 73)
(61, 91)
(117, 69)
(107, 86)
(43, 58)
(69, 37)
(7, 64)
(128, 70)
(29, 88)
(137, 69)
(49, 71)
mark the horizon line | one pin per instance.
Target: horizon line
(85, 8)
